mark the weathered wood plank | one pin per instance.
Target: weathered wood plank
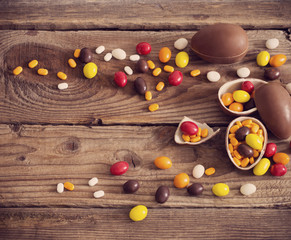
(29, 98)
(160, 15)
(35, 158)
(189, 223)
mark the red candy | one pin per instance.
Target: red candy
(120, 79)
(143, 48)
(175, 78)
(270, 150)
(189, 128)
(278, 169)
(247, 86)
(119, 168)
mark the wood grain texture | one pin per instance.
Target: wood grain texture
(34, 159)
(151, 14)
(30, 98)
(102, 223)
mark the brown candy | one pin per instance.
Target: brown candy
(85, 55)
(272, 73)
(245, 150)
(241, 133)
(162, 194)
(142, 66)
(140, 85)
(195, 189)
(130, 186)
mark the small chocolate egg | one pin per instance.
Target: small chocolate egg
(220, 43)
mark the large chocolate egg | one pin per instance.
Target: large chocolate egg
(274, 106)
(220, 43)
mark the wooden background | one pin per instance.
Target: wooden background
(50, 136)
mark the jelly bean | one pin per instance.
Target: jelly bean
(254, 141)
(277, 60)
(209, 171)
(271, 149)
(227, 99)
(62, 75)
(93, 181)
(60, 187)
(195, 72)
(157, 72)
(195, 189)
(143, 48)
(175, 78)
(165, 54)
(77, 53)
(241, 133)
(243, 72)
(69, 186)
(42, 72)
(140, 85)
(72, 63)
(148, 95)
(278, 169)
(181, 180)
(189, 128)
(204, 133)
(241, 96)
(213, 76)
(131, 186)
(119, 168)
(236, 107)
(182, 59)
(168, 68)
(248, 189)
(85, 55)
(128, 70)
(181, 43)
(262, 167)
(90, 70)
(142, 66)
(120, 79)
(154, 107)
(100, 49)
(138, 213)
(160, 86)
(107, 57)
(63, 86)
(263, 58)
(119, 53)
(272, 43)
(245, 151)
(281, 158)
(98, 194)
(17, 70)
(162, 194)
(247, 86)
(33, 64)
(198, 171)
(134, 57)
(163, 162)
(220, 189)
(151, 64)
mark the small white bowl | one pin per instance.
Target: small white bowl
(264, 144)
(178, 134)
(230, 87)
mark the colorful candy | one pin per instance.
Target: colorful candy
(69, 186)
(131, 186)
(33, 64)
(175, 78)
(62, 75)
(195, 72)
(42, 72)
(143, 48)
(198, 171)
(227, 99)
(189, 128)
(210, 171)
(85, 55)
(181, 180)
(277, 60)
(262, 167)
(154, 107)
(263, 58)
(254, 141)
(278, 170)
(220, 189)
(271, 149)
(138, 213)
(241, 96)
(119, 168)
(163, 162)
(247, 86)
(90, 70)
(281, 158)
(195, 189)
(165, 54)
(182, 59)
(120, 79)
(72, 63)
(162, 194)
(17, 70)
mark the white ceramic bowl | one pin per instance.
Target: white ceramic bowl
(178, 134)
(264, 144)
(230, 87)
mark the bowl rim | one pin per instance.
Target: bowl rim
(228, 84)
(264, 144)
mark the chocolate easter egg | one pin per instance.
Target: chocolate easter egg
(222, 43)
(274, 106)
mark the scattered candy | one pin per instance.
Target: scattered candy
(181, 180)
(182, 59)
(243, 72)
(142, 66)
(263, 58)
(93, 181)
(278, 170)
(77, 53)
(99, 194)
(131, 186)
(107, 57)
(119, 168)
(272, 73)
(140, 85)
(248, 189)
(162, 194)
(62, 75)
(272, 43)
(120, 79)
(213, 76)
(143, 48)
(134, 57)
(90, 70)
(119, 54)
(69, 186)
(157, 72)
(33, 64)
(148, 95)
(198, 171)
(195, 73)
(227, 99)
(277, 60)
(236, 107)
(63, 86)
(281, 158)
(175, 78)
(85, 55)
(209, 171)
(195, 189)
(17, 70)
(241, 96)
(271, 149)
(42, 72)
(160, 86)
(72, 63)
(154, 107)
(220, 189)
(165, 54)
(151, 64)
(100, 49)
(138, 213)
(181, 43)
(128, 70)
(168, 68)
(163, 162)
(60, 187)
(262, 167)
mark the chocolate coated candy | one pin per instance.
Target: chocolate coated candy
(130, 186)
(140, 85)
(245, 150)
(274, 106)
(272, 73)
(220, 43)
(195, 189)
(162, 194)
(249, 105)
(142, 66)
(85, 55)
(241, 133)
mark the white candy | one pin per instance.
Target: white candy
(119, 53)
(60, 187)
(243, 72)
(99, 194)
(100, 49)
(213, 76)
(198, 171)
(63, 86)
(107, 57)
(272, 43)
(181, 43)
(248, 189)
(93, 181)
(288, 87)
(134, 57)
(128, 70)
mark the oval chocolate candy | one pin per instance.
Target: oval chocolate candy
(142, 66)
(130, 186)
(140, 85)
(245, 150)
(162, 194)
(195, 189)
(241, 133)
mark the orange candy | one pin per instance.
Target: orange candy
(163, 162)
(181, 180)
(281, 158)
(227, 99)
(165, 54)
(277, 60)
(210, 171)
(237, 107)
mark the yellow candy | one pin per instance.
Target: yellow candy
(33, 64)
(262, 167)
(182, 59)
(254, 141)
(241, 96)
(148, 95)
(220, 189)
(151, 64)
(17, 70)
(263, 58)
(138, 213)
(90, 70)
(154, 107)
